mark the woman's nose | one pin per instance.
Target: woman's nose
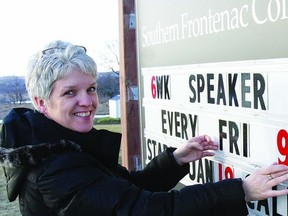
(85, 100)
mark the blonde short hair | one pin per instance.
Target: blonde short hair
(54, 62)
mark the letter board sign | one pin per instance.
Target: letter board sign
(218, 68)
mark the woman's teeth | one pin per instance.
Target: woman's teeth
(83, 114)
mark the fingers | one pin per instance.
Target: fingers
(198, 138)
(278, 179)
(277, 174)
(201, 138)
(210, 147)
(203, 145)
(195, 145)
(274, 193)
(273, 169)
(208, 154)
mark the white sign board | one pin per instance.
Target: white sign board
(218, 68)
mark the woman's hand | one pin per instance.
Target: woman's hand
(258, 185)
(195, 149)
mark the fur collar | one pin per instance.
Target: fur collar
(23, 127)
(31, 155)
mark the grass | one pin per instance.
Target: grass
(6, 108)
(12, 209)
(110, 127)
(7, 208)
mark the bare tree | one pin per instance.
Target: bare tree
(107, 85)
(14, 88)
(109, 57)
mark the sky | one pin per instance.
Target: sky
(28, 25)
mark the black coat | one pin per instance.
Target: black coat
(58, 171)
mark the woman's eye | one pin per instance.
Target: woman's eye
(68, 93)
(92, 89)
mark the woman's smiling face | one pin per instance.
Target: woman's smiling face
(73, 102)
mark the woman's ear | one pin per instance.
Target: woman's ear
(41, 105)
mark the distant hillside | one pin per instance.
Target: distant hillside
(13, 92)
(12, 89)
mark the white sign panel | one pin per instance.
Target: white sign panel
(237, 103)
(220, 68)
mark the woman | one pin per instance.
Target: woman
(58, 164)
